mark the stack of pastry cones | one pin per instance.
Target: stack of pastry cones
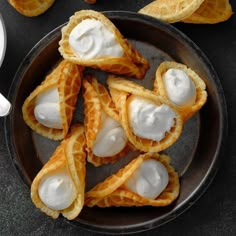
(78, 145)
(70, 154)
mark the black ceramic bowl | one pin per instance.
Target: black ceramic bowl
(195, 155)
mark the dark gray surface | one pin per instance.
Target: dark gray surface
(213, 214)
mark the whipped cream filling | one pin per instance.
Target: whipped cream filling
(179, 87)
(57, 190)
(149, 120)
(149, 180)
(111, 138)
(47, 109)
(91, 39)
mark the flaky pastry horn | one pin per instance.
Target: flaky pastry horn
(69, 155)
(96, 101)
(120, 90)
(131, 63)
(201, 94)
(67, 78)
(113, 192)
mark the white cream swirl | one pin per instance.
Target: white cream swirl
(91, 39)
(149, 120)
(57, 190)
(47, 109)
(179, 87)
(111, 138)
(149, 180)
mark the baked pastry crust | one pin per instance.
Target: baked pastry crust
(171, 10)
(201, 94)
(70, 154)
(112, 191)
(211, 12)
(132, 63)
(31, 7)
(120, 90)
(67, 77)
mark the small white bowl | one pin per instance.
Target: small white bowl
(3, 40)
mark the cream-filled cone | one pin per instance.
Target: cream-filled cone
(113, 191)
(131, 63)
(31, 7)
(121, 90)
(171, 10)
(211, 12)
(200, 87)
(71, 156)
(97, 102)
(66, 77)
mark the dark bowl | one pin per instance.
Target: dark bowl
(195, 155)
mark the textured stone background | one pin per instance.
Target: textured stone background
(213, 214)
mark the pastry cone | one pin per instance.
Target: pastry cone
(31, 7)
(67, 77)
(171, 10)
(113, 192)
(120, 90)
(201, 94)
(132, 63)
(211, 12)
(96, 101)
(70, 154)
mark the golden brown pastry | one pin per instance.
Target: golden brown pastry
(49, 108)
(91, 39)
(171, 10)
(182, 86)
(211, 12)
(106, 139)
(59, 186)
(151, 122)
(31, 7)
(149, 180)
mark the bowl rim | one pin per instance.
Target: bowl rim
(212, 170)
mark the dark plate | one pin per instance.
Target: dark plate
(195, 156)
